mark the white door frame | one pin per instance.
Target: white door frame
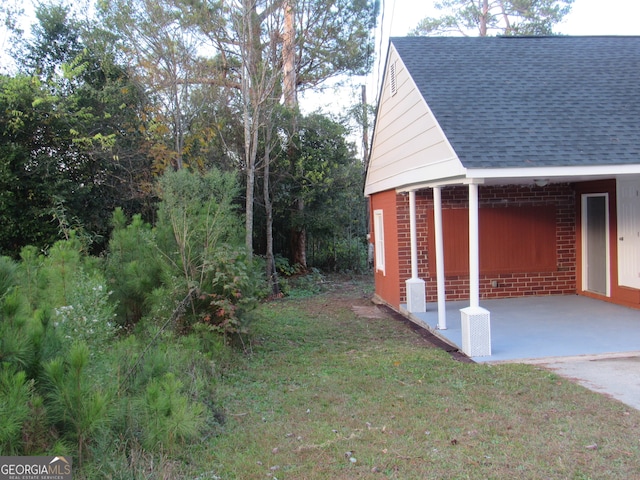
(584, 230)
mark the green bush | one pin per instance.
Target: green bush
(8, 275)
(199, 231)
(170, 418)
(16, 394)
(227, 293)
(89, 316)
(61, 266)
(77, 405)
(134, 267)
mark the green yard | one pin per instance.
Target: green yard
(327, 393)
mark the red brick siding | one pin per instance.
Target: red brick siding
(513, 284)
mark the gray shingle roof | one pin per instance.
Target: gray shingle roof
(531, 101)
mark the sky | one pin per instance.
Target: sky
(587, 17)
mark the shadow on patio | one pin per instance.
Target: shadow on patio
(540, 327)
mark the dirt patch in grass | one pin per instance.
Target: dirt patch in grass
(330, 392)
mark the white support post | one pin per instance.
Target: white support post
(440, 280)
(416, 299)
(474, 248)
(475, 321)
(414, 234)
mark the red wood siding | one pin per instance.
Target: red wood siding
(511, 239)
(387, 283)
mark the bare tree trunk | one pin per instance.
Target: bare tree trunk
(483, 18)
(288, 56)
(298, 234)
(299, 239)
(505, 17)
(272, 274)
(251, 56)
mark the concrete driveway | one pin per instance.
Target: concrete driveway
(615, 375)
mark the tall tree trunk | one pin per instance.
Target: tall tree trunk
(483, 18)
(289, 56)
(298, 239)
(251, 56)
(272, 274)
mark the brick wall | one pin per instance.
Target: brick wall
(503, 285)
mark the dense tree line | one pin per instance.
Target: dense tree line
(101, 108)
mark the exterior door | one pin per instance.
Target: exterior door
(628, 201)
(595, 243)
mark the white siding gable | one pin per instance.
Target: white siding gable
(409, 146)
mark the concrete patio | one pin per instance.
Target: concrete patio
(540, 327)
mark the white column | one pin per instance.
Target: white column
(416, 299)
(437, 221)
(474, 249)
(475, 321)
(414, 234)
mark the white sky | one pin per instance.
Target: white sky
(587, 17)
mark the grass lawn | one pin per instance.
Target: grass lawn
(330, 393)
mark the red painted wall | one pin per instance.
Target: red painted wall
(387, 283)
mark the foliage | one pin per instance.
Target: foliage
(482, 17)
(196, 216)
(62, 266)
(228, 293)
(199, 232)
(134, 267)
(72, 133)
(20, 333)
(341, 254)
(170, 418)
(31, 277)
(8, 275)
(325, 174)
(29, 177)
(17, 392)
(89, 316)
(334, 38)
(76, 404)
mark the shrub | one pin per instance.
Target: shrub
(8, 275)
(15, 394)
(226, 293)
(170, 418)
(78, 406)
(134, 268)
(89, 316)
